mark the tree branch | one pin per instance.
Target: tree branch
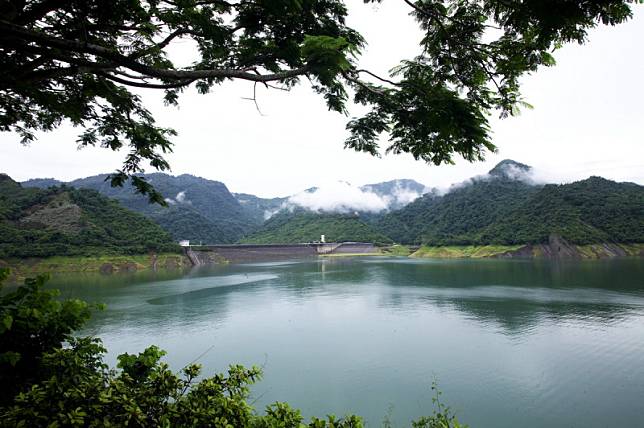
(127, 62)
(142, 84)
(362, 84)
(382, 79)
(162, 44)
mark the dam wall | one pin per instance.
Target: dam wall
(245, 253)
(355, 248)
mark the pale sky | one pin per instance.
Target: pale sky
(588, 119)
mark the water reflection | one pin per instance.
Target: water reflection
(513, 343)
(513, 295)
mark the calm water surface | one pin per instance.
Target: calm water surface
(510, 343)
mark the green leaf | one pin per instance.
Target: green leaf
(7, 322)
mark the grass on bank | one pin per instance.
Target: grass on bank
(469, 251)
(107, 263)
(397, 250)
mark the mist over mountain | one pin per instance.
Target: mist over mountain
(205, 211)
(508, 206)
(259, 209)
(345, 198)
(397, 193)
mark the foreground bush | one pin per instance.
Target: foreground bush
(50, 378)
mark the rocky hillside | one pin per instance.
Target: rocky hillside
(198, 209)
(66, 221)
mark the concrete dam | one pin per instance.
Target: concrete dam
(242, 253)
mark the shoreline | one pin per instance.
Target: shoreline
(105, 264)
(109, 264)
(554, 250)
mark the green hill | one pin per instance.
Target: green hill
(505, 208)
(306, 226)
(198, 209)
(457, 217)
(585, 212)
(66, 221)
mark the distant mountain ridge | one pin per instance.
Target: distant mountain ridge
(203, 210)
(198, 209)
(506, 206)
(397, 193)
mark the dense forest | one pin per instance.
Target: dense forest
(505, 207)
(67, 221)
(584, 212)
(306, 226)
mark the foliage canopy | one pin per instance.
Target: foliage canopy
(79, 61)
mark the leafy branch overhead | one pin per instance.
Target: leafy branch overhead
(79, 60)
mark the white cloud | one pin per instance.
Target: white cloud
(270, 213)
(181, 197)
(404, 195)
(339, 196)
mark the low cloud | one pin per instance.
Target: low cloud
(270, 213)
(514, 172)
(339, 197)
(402, 196)
(180, 198)
(529, 176)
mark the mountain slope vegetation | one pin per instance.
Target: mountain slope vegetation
(198, 209)
(504, 207)
(307, 226)
(585, 212)
(259, 209)
(68, 221)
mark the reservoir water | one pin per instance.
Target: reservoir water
(510, 343)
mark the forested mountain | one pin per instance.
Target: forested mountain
(203, 210)
(259, 209)
(67, 221)
(288, 222)
(198, 209)
(42, 183)
(505, 207)
(397, 193)
(584, 212)
(306, 226)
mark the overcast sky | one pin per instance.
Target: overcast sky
(588, 120)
